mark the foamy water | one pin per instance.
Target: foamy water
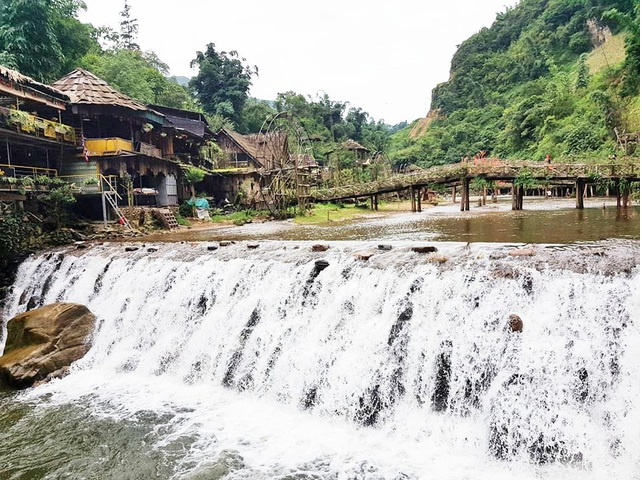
(393, 368)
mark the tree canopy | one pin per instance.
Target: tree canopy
(223, 82)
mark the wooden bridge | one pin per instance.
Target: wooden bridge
(516, 173)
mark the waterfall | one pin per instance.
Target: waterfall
(397, 344)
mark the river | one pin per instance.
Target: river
(253, 363)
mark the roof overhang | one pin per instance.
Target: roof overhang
(28, 93)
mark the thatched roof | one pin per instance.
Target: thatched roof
(303, 160)
(14, 77)
(352, 145)
(267, 150)
(83, 87)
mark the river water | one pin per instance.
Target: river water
(255, 363)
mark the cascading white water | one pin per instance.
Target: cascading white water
(395, 366)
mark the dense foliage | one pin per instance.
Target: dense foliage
(523, 87)
(532, 84)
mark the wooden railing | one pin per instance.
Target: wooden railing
(24, 122)
(449, 174)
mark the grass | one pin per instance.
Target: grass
(326, 213)
(609, 54)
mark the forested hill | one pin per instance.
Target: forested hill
(548, 77)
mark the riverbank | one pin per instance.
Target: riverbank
(541, 221)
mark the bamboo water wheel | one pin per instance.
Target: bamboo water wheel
(285, 151)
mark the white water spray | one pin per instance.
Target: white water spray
(396, 366)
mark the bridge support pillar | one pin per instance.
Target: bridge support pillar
(413, 205)
(518, 197)
(579, 194)
(626, 191)
(419, 199)
(376, 202)
(454, 192)
(465, 194)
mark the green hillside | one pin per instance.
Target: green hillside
(548, 77)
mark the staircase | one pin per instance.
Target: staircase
(165, 217)
(110, 196)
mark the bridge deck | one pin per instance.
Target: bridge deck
(492, 171)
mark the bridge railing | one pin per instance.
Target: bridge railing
(506, 170)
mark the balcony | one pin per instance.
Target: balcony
(28, 124)
(98, 147)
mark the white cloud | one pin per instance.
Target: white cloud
(382, 56)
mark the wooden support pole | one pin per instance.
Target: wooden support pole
(371, 202)
(413, 206)
(454, 192)
(104, 208)
(625, 196)
(513, 192)
(376, 202)
(579, 194)
(467, 192)
(520, 197)
(419, 199)
(462, 200)
(618, 196)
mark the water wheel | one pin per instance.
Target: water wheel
(285, 151)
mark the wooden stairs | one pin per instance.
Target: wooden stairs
(165, 217)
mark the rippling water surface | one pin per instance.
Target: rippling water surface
(246, 363)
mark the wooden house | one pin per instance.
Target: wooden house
(33, 135)
(125, 145)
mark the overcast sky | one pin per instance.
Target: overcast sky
(384, 56)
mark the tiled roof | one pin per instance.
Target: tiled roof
(83, 87)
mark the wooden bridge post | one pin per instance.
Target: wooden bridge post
(454, 192)
(579, 194)
(413, 206)
(625, 196)
(513, 192)
(376, 202)
(419, 199)
(618, 195)
(371, 202)
(465, 194)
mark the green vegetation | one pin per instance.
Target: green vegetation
(528, 86)
(551, 77)
(325, 213)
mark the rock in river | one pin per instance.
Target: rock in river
(42, 343)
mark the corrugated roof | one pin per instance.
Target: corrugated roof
(16, 77)
(83, 87)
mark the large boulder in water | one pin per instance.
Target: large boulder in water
(42, 343)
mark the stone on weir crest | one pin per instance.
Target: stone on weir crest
(363, 255)
(320, 248)
(424, 249)
(42, 343)
(522, 252)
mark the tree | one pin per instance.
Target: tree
(192, 176)
(254, 114)
(582, 79)
(128, 29)
(222, 83)
(28, 41)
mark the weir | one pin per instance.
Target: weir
(379, 344)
